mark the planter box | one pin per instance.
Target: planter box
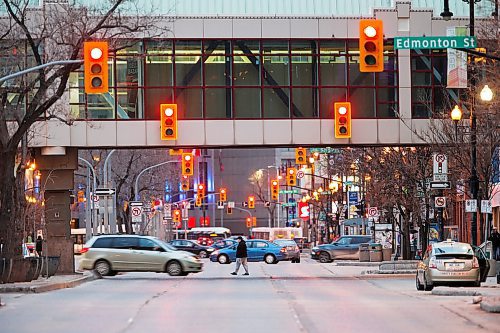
(19, 269)
(53, 265)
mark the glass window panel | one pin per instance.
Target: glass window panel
(77, 111)
(188, 71)
(217, 47)
(421, 95)
(390, 63)
(362, 102)
(421, 111)
(385, 110)
(246, 70)
(443, 102)
(216, 104)
(389, 94)
(304, 70)
(159, 47)
(218, 70)
(77, 103)
(329, 96)
(128, 71)
(246, 47)
(101, 106)
(276, 70)
(153, 99)
(276, 103)
(420, 78)
(189, 103)
(332, 47)
(270, 47)
(421, 63)
(129, 104)
(333, 70)
(357, 78)
(247, 103)
(440, 70)
(127, 46)
(159, 71)
(188, 47)
(76, 79)
(304, 103)
(307, 47)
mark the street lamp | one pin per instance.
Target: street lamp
(446, 14)
(456, 116)
(486, 94)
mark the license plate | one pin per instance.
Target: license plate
(452, 266)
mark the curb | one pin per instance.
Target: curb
(48, 287)
(455, 292)
(490, 304)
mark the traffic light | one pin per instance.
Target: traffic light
(229, 210)
(187, 164)
(249, 222)
(275, 189)
(95, 65)
(251, 201)
(371, 46)
(173, 152)
(300, 156)
(254, 221)
(185, 183)
(200, 191)
(342, 120)
(176, 215)
(168, 118)
(223, 194)
(291, 176)
(199, 201)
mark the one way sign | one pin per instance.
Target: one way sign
(105, 191)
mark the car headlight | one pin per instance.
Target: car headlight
(210, 249)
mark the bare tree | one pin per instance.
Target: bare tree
(32, 37)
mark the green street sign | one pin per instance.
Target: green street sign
(289, 192)
(435, 42)
(289, 204)
(326, 150)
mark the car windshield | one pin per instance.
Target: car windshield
(167, 245)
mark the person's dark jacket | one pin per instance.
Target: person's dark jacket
(241, 250)
(495, 239)
(39, 245)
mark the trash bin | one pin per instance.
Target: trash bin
(364, 252)
(386, 254)
(375, 252)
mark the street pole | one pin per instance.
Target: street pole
(474, 181)
(94, 187)
(136, 187)
(106, 199)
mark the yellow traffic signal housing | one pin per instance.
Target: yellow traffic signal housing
(223, 194)
(254, 221)
(95, 67)
(291, 176)
(173, 152)
(371, 46)
(249, 222)
(300, 156)
(176, 215)
(199, 201)
(187, 164)
(342, 120)
(275, 189)
(168, 119)
(200, 191)
(251, 201)
(185, 183)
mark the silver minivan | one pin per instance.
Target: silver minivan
(109, 254)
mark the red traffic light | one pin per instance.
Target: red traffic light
(342, 112)
(95, 64)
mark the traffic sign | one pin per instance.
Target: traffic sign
(135, 203)
(372, 211)
(220, 204)
(136, 212)
(267, 203)
(435, 42)
(439, 202)
(244, 204)
(105, 191)
(440, 185)
(95, 201)
(167, 210)
(300, 174)
(486, 206)
(230, 204)
(471, 206)
(440, 167)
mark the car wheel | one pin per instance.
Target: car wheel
(203, 254)
(419, 286)
(174, 268)
(324, 257)
(297, 261)
(270, 259)
(427, 286)
(293, 260)
(103, 267)
(223, 259)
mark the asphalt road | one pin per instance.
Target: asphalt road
(305, 297)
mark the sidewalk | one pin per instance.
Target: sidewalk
(48, 284)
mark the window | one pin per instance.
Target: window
(260, 245)
(102, 243)
(147, 244)
(125, 243)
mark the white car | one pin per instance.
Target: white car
(109, 254)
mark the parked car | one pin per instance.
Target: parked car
(223, 243)
(191, 246)
(292, 249)
(451, 263)
(109, 254)
(258, 250)
(346, 247)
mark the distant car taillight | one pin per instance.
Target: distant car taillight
(432, 263)
(283, 250)
(475, 263)
(83, 250)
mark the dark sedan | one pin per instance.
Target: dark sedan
(192, 246)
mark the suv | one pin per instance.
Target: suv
(109, 254)
(346, 247)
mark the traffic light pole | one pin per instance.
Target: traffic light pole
(136, 187)
(36, 68)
